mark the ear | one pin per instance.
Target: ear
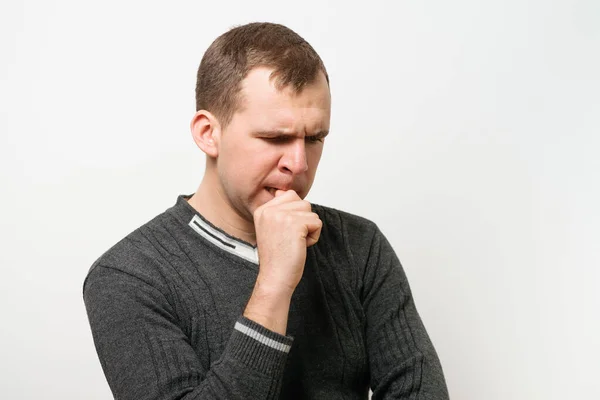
(206, 132)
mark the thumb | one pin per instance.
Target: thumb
(279, 193)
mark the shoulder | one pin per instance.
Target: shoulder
(346, 224)
(141, 255)
(345, 235)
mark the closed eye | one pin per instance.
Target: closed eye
(284, 139)
(314, 139)
(277, 139)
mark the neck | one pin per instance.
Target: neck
(211, 202)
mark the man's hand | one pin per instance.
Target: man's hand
(285, 227)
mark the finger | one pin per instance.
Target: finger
(314, 227)
(297, 205)
(279, 199)
(308, 219)
(279, 192)
(313, 236)
(282, 197)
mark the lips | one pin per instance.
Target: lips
(272, 190)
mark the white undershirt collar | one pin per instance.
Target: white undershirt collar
(224, 241)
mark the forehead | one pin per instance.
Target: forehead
(262, 103)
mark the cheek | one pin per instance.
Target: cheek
(247, 168)
(238, 160)
(314, 156)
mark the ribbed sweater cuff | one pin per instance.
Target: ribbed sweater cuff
(258, 347)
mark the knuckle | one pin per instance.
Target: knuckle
(288, 219)
(267, 212)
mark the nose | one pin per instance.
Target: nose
(294, 158)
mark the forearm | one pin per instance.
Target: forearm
(403, 360)
(269, 305)
(154, 359)
(251, 366)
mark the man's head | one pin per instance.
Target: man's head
(263, 109)
(235, 53)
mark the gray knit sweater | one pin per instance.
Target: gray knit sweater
(165, 307)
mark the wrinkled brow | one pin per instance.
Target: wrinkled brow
(280, 133)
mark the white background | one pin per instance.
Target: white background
(467, 130)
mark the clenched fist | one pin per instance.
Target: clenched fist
(285, 227)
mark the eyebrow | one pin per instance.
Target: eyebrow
(278, 133)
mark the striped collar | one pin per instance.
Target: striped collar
(223, 240)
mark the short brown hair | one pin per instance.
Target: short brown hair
(235, 53)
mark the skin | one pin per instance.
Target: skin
(259, 169)
(241, 162)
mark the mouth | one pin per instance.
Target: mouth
(272, 190)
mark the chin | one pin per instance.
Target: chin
(256, 202)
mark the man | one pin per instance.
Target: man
(244, 290)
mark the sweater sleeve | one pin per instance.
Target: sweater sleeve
(145, 355)
(402, 359)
